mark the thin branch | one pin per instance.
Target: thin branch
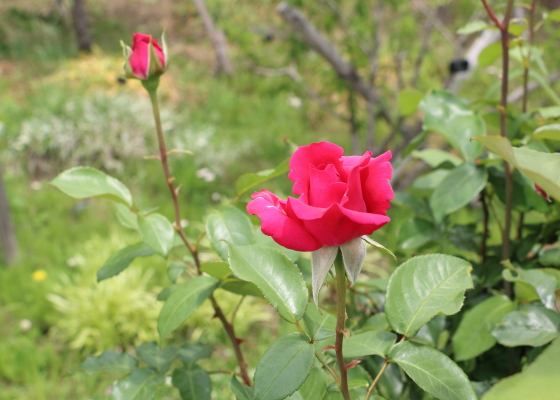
(427, 33)
(377, 378)
(321, 45)
(517, 94)
(234, 313)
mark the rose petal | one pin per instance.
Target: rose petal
(316, 154)
(285, 231)
(353, 198)
(335, 225)
(376, 186)
(139, 59)
(325, 187)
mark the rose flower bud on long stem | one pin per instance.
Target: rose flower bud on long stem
(147, 58)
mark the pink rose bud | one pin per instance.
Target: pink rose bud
(340, 199)
(542, 193)
(146, 59)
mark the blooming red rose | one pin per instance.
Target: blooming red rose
(341, 198)
(142, 62)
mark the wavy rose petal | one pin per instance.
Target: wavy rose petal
(335, 225)
(275, 223)
(316, 154)
(376, 177)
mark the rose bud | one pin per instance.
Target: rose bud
(146, 59)
(341, 199)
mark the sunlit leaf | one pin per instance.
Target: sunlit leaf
(423, 287)
(433, 371)
(275, 275)
(541, 168)
(82, 182)
(229, 225)
(157, 232)
(454, 120)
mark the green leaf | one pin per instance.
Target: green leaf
(175, 270)
(539, 381)
(431, 180)
(452, 118)
(240, 391)
(183, 302)
(472, 27)
(242, 288)
(82, 182)
(433, 371)
(490, 54)
(217, 269)
(284, 367)
(473, 336)
(193, 383)
(126, 217)
(435, 157)
(415, 233)
(423, 287)
(549, 112)
(554, 15)
(118, 261)
(141, 384)
(544, 284)
(551, 131)
(550, 257)
(109, 361)
(189, 353)
(317, 326)
(247, 181)
(408, 99)
(377, 322)
(532, 326)
(265, 240)
(230, 225)
(457, 189)
(315, 386)
(367, 343)
(275, 275)
(153, 356)
(157, 232)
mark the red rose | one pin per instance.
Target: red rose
(342, 198)
(143, 62)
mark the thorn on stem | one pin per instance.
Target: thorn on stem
(352, 364)
(239, 341)
(329, 348)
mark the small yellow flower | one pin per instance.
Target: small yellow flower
(39, 275)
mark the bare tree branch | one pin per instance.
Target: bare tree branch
(318, 42)
(218, 38)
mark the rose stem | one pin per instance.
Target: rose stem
(340, 323)
(377, 378)
(503, 27)
(151, 87)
